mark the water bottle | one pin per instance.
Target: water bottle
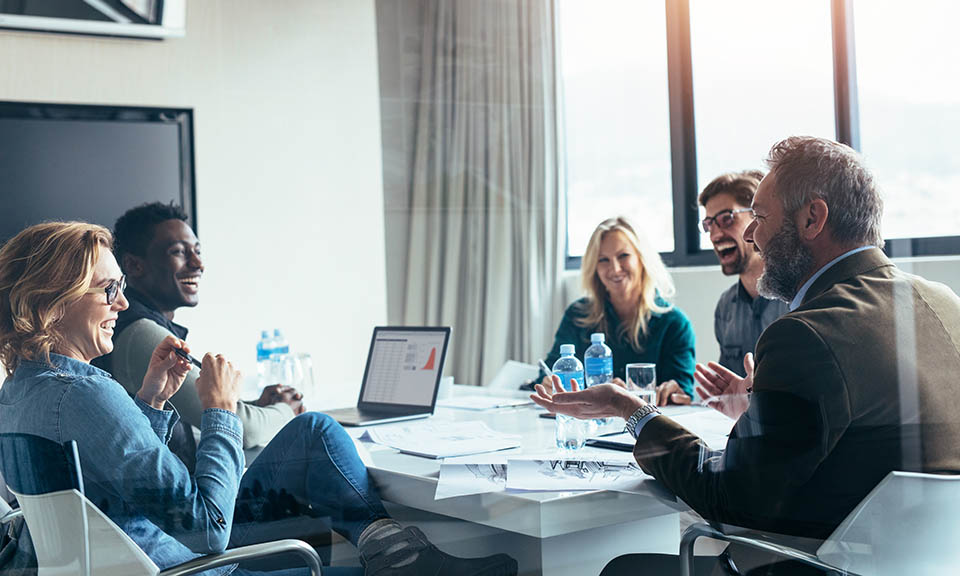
(598, 362)
(571, 432)
(264, 351)
(280, 345)
(279, 357)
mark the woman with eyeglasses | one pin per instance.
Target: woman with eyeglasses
(627, 299)
(60, 292)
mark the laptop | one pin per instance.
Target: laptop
(402, 376)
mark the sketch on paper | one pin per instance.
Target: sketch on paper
(478, 474)
(556, 474)
(495, 473)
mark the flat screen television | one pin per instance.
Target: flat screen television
(91, 163)
(154, 19)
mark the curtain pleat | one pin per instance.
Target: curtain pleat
(484, 251)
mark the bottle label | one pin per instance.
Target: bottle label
(598, 366)
(566, 377)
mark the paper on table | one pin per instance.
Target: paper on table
(565, 475)
(438, 439)
(512, 374)
(478, 474)
(711, 426)
(483, 402)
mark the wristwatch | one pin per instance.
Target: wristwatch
(637, 416)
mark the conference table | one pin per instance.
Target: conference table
(551, 533)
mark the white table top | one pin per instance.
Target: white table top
(412, 480)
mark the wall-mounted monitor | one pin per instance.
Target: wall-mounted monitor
(156, 19)
(91, 163)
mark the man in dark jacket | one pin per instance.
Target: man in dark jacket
(857, 380)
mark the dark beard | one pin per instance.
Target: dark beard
(738, 265)
(786, 262)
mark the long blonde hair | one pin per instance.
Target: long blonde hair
(655, 282)
(42, 270)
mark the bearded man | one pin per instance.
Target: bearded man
(858, 379)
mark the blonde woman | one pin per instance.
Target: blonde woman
(627, 290)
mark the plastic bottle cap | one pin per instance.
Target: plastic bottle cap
(597, 337)
(264, 334)
(567, 349)
(277, 332)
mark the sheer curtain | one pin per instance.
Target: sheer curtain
(485, 237)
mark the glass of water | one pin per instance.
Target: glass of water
(642, 381)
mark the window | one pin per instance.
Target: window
(743, 75)
(909, 95)
(613, 74)
(762, 70)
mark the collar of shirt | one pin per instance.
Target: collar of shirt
(798, 299)
(140, 309)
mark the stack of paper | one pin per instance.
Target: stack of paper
(483, 402)
(555, 474)
(436, 439)
(501, 472)
(480, 474)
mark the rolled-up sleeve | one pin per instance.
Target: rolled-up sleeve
(161, 421)
(122, 448)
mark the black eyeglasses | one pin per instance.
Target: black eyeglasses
(112, 290)
(723, 219)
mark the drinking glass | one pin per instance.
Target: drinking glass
(642, 381)
(294, 370)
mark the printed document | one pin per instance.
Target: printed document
(438, 439)
(478, 474)
(617, 475)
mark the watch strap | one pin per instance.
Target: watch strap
(646, 410)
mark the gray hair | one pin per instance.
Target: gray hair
(808, 168)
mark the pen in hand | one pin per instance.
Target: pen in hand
(186, 356)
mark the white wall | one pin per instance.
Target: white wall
(287, 145)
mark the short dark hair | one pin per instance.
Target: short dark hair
(134, 230)
(741, 185)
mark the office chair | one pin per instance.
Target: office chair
(908, 524)
(72, 536)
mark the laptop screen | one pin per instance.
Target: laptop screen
(404, 366)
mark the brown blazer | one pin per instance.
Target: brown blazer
(861, 379)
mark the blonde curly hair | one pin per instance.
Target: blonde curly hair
(43, 269)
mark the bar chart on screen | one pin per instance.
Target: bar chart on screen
(403, 368)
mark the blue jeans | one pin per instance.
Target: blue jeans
(310, 468)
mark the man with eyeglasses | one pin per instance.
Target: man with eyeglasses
(741, 314)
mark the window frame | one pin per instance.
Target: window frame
(683, 148)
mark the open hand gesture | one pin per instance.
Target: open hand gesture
(723, 390)
(599, 401)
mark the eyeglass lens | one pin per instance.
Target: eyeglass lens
(114, 288)
(722, 219)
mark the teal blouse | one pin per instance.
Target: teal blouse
(669, 343)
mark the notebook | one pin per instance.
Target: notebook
(401, 378)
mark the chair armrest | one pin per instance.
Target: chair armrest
(235, 555)
(699, 529)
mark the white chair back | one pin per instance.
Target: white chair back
(908, 524)
(72, 536)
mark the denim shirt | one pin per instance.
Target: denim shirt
(128, 471)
